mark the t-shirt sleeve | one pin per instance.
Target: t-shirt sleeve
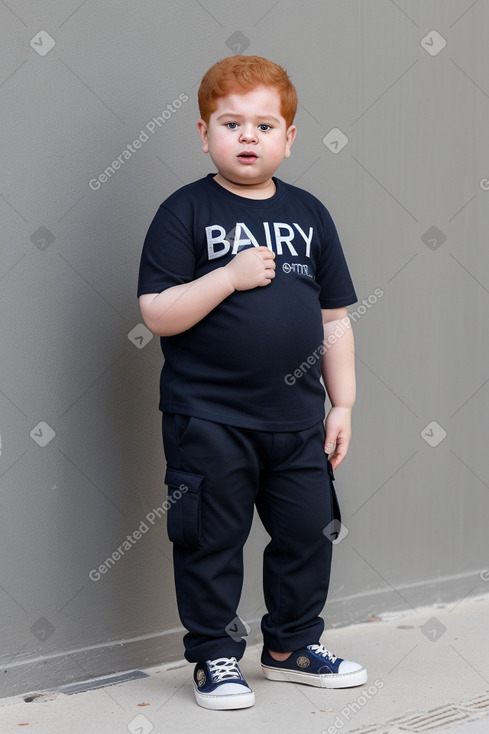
(168, 256)
(332, 273)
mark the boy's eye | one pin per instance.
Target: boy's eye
(264, 127)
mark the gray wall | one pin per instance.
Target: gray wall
(81, 461)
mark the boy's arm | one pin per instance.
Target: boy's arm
(178, 308)
(338, 370)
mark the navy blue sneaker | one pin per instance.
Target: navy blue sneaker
(314, 665)
(219, 685)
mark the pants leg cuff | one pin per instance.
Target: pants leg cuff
(212, 649)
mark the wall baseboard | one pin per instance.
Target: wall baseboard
(45, 673)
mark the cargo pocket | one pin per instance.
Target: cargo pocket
(184, 516)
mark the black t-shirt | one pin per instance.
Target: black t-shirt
(255, 360)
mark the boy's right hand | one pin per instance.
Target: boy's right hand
(250, 268)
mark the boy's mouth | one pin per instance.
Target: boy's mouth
(247, 156)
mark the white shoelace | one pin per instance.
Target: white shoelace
(324, 652)
(224, 669)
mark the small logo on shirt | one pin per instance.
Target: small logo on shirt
(297, 268)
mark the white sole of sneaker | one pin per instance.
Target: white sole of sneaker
(347, 680)
(225, 703)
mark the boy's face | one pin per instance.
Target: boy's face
(247, 139)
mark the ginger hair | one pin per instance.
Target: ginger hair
(240, 74)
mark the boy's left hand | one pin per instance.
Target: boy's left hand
(338, 434)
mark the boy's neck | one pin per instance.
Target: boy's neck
(263, 190)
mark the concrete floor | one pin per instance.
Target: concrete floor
(428, 671)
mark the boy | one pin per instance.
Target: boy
(244, 278)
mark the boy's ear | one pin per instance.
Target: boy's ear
(289, 139)
(202, 130)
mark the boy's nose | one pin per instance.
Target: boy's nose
(248, 135)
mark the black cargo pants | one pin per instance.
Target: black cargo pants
(216, 474)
